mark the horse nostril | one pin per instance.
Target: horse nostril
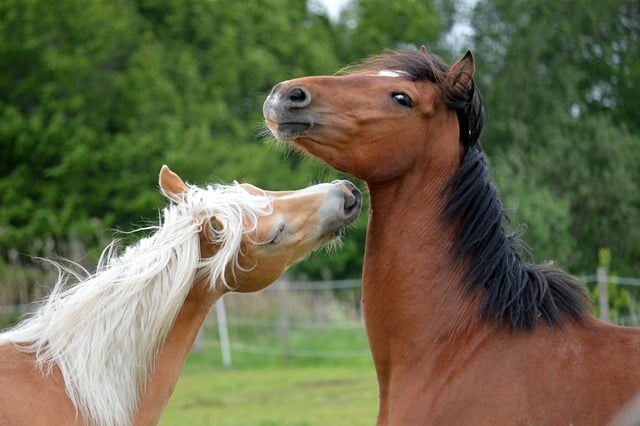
(297, 97)
(352, 199)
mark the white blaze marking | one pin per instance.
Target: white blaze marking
(390, 73)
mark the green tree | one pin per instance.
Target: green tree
(368, 27)
(539, 215)
(56, 102)
(592, 163)
(558, 91)
(98, 95)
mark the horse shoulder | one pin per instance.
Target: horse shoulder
(596, 370)
(28, 396)
(616, 355)
(546, 376)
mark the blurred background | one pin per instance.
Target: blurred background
(95, 95)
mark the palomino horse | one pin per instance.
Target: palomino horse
(462, 330)
(109, 350)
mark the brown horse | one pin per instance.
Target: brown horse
(109, 350)
(462, 330)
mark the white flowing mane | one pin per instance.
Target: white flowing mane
(105, 332)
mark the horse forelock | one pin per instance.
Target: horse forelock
(408, 64)
(513, 290)
(104, 332)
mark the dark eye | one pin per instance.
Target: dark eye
(277, 236)
(402, 99)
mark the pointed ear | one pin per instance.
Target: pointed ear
(423, 51)
(215, 224)
(171, 185)
(460, 74)
(210, 240)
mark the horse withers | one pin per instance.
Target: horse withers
(108, 349)
(462, 330)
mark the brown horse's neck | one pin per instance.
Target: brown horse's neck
(164, 375)
(415, 304)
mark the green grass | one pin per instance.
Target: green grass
(278, 394)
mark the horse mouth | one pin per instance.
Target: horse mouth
(333, 236)
(290, 131)
(351, 209)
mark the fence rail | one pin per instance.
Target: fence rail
(285, 325)
(321, 319)
(604, 280)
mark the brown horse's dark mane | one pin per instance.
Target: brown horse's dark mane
(514, 290)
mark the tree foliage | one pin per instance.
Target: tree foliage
(368, 27)
(96, 96)
(99, 95)
(561, 98)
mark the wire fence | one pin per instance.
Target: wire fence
(616, 304)
(323, 319)
(290, 319)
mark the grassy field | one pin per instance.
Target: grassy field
(277, 393)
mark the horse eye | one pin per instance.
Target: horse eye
(402, 99)
(276, 237)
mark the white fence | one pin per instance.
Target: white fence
(605, 282)
(290, 319)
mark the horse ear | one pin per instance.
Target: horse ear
(460, 74)
(210, 240)
(423, 51)
(171, 185)
(215, 224)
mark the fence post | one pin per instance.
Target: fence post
(223, 331)
(198, 344)
(603, 296)
(283, 318)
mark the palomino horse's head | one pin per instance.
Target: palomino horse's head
(284, 226)
(381, 119)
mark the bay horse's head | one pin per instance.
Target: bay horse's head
(249, 236)
(383, 117)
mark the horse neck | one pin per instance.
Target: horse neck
(174, 351)
(415, 305)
